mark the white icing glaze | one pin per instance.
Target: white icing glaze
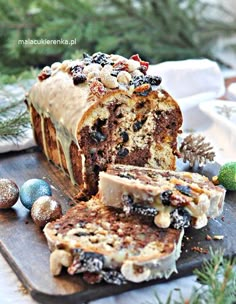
(58, 98)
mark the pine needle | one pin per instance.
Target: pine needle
(14, 118)
(14, 127)
(218, 279)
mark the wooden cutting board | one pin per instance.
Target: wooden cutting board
(24, 246)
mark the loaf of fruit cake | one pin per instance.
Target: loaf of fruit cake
(103, 109)
(104, 244)
(171, 198)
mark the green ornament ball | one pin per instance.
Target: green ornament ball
(227, 176)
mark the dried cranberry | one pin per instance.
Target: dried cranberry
(136, 57)
(44, 74)
(143, 64)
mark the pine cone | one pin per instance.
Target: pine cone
(195, 150)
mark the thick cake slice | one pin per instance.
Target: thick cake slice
(103, 109)
(103, 243)
(171, 198)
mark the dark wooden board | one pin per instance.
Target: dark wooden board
(24, 246)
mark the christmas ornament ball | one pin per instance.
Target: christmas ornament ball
(9, 193)
(227, 176)
(32, 189)
(45, 209)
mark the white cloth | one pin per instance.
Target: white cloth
(231, 92)
(192, 83)
(192, 79)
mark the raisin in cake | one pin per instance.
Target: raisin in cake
(171, 198)
(102, 243)
(103, 109)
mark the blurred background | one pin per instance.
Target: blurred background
(159, 30)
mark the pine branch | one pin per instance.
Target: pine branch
(4, 110)
(14, 118)
(14, 127)
(218, 279)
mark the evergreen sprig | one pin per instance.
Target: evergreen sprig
(218, 279)
(15, 127)
(14, 118)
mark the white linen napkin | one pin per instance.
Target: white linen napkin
(198, 79)
(231, 91)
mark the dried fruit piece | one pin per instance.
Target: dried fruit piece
(186, 190)
(142, 79)
(125, 136)
(143, 64)
(79, 78)
(97, 88)
(45, 73)
(180, 218)
(165, 197)
(98, 136)
(101, 58)
(122, 152)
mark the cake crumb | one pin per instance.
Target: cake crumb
(208, 237)
(21, 288)
(200, 249)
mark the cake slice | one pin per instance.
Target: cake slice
(104, 244)
(172, 198)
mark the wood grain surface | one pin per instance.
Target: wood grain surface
(24, 245)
